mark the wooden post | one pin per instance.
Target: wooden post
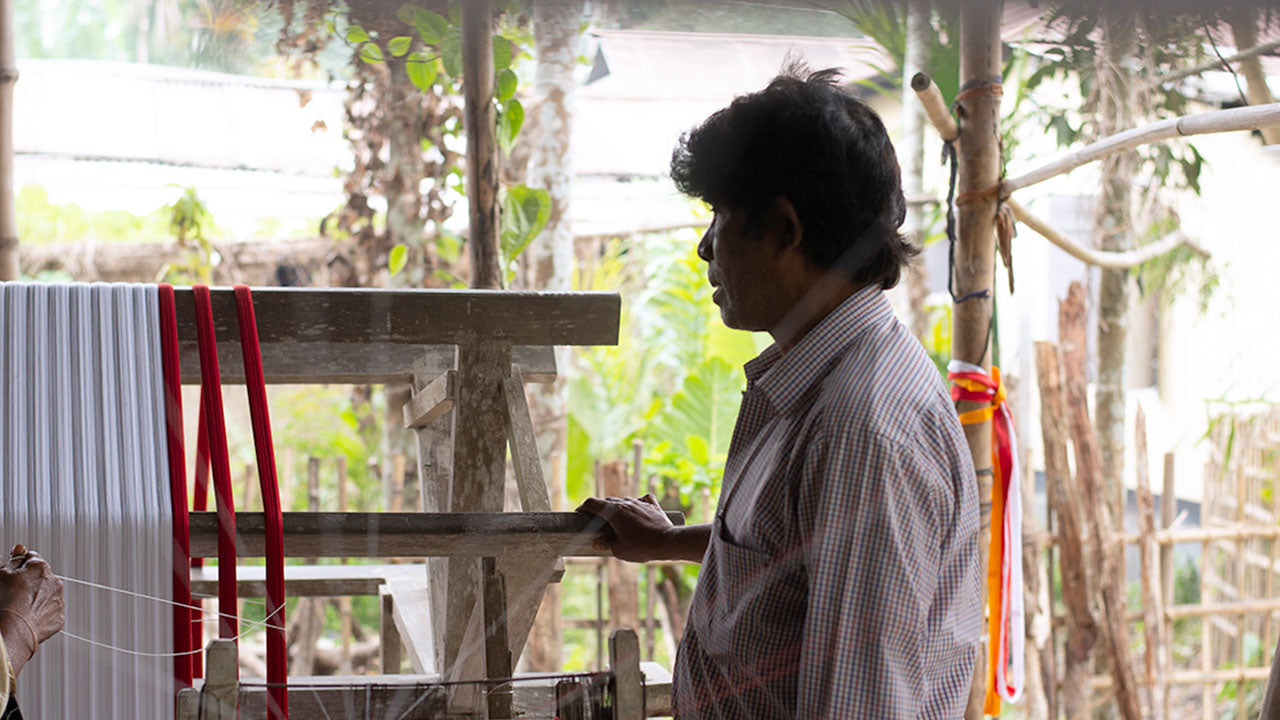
(1065, 504)
(479, 124)
(624, 578)
(1206, 633)
(388, 632)
(650, 601)
(628, 683)
(344, 603)
(978, 106)
(1157, 673)
(497, 649)
(1168, 510)
(1104, 541)
(221, 684)
(8, 215)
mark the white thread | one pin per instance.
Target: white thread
(256, 626)
(158, 599)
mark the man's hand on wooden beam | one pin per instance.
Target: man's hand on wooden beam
(642, 532)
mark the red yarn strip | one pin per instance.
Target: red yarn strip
(177, 486)
(201, 503)
(211, 392)
(255, 382)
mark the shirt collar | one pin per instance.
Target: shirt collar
(784, 377)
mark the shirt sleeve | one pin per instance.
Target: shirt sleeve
(6, 677)
(868, 508)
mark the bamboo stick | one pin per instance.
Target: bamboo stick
(1196, 677)
(1244, 25)
(8, 214)
(934, 106)
(1156, 671)
(1206, 636)
(1243, 118)
(1168, 508)
(1217, 64)
(1100, 258)
(1238, 607)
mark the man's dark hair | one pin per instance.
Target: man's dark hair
(827, 152)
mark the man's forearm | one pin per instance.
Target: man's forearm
(686, 542)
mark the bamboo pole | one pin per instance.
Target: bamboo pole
(1253, 117)
(1206, 635)
(1152, 617)
(978, 169)
(8, 214)
(1123, 260)
(1168, 508)
(482, 154)
(910, 147)
(934, 106)
(1244, 25)
(1252, 52)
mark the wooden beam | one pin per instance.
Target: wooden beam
(414, 317)
(432, 401)
(411, 613)
(306, 580)
(369, 535)
(290, 363)
(479, 122)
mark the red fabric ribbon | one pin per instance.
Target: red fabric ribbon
(200, 504)
(255, 382)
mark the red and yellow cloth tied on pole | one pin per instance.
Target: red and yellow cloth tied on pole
(1006, 649)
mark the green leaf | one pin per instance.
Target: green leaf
(356, 34)
(506, 84)
(422, 71)
(704, 408)
(451, 52)
(396, 261)
(431, 26)
(399, 45)
(509, 124)
(371, 53)
(503, 51)
(525, 212)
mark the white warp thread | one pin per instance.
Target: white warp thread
(84, 481)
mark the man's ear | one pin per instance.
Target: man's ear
(792, 228)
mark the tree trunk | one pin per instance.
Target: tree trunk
(624, 577)
(482, 147)
(1105, 543)
(1113, 231)
(1245, 28)
(8, 76)
(555, 28)
(979, 170)
(1156, 670)
(911, 154)
(1064, 502)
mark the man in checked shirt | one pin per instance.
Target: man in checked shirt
(840, 576)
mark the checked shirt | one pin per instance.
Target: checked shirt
(841, 580)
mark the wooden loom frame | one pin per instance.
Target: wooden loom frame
(467, 355)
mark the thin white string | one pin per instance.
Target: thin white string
(154, 598)
(256, 626)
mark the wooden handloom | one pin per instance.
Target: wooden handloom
(467, 355)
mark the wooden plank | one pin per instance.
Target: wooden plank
(525, 459)
(497, 648)
(412, 617)
(432, 401)
(414, 317)
(306, 580)
(459, 534)
(390, 633)
(352, 364)
(435, 476)
(391, 696)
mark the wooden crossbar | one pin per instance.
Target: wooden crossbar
(414, 317)
(472, 534)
